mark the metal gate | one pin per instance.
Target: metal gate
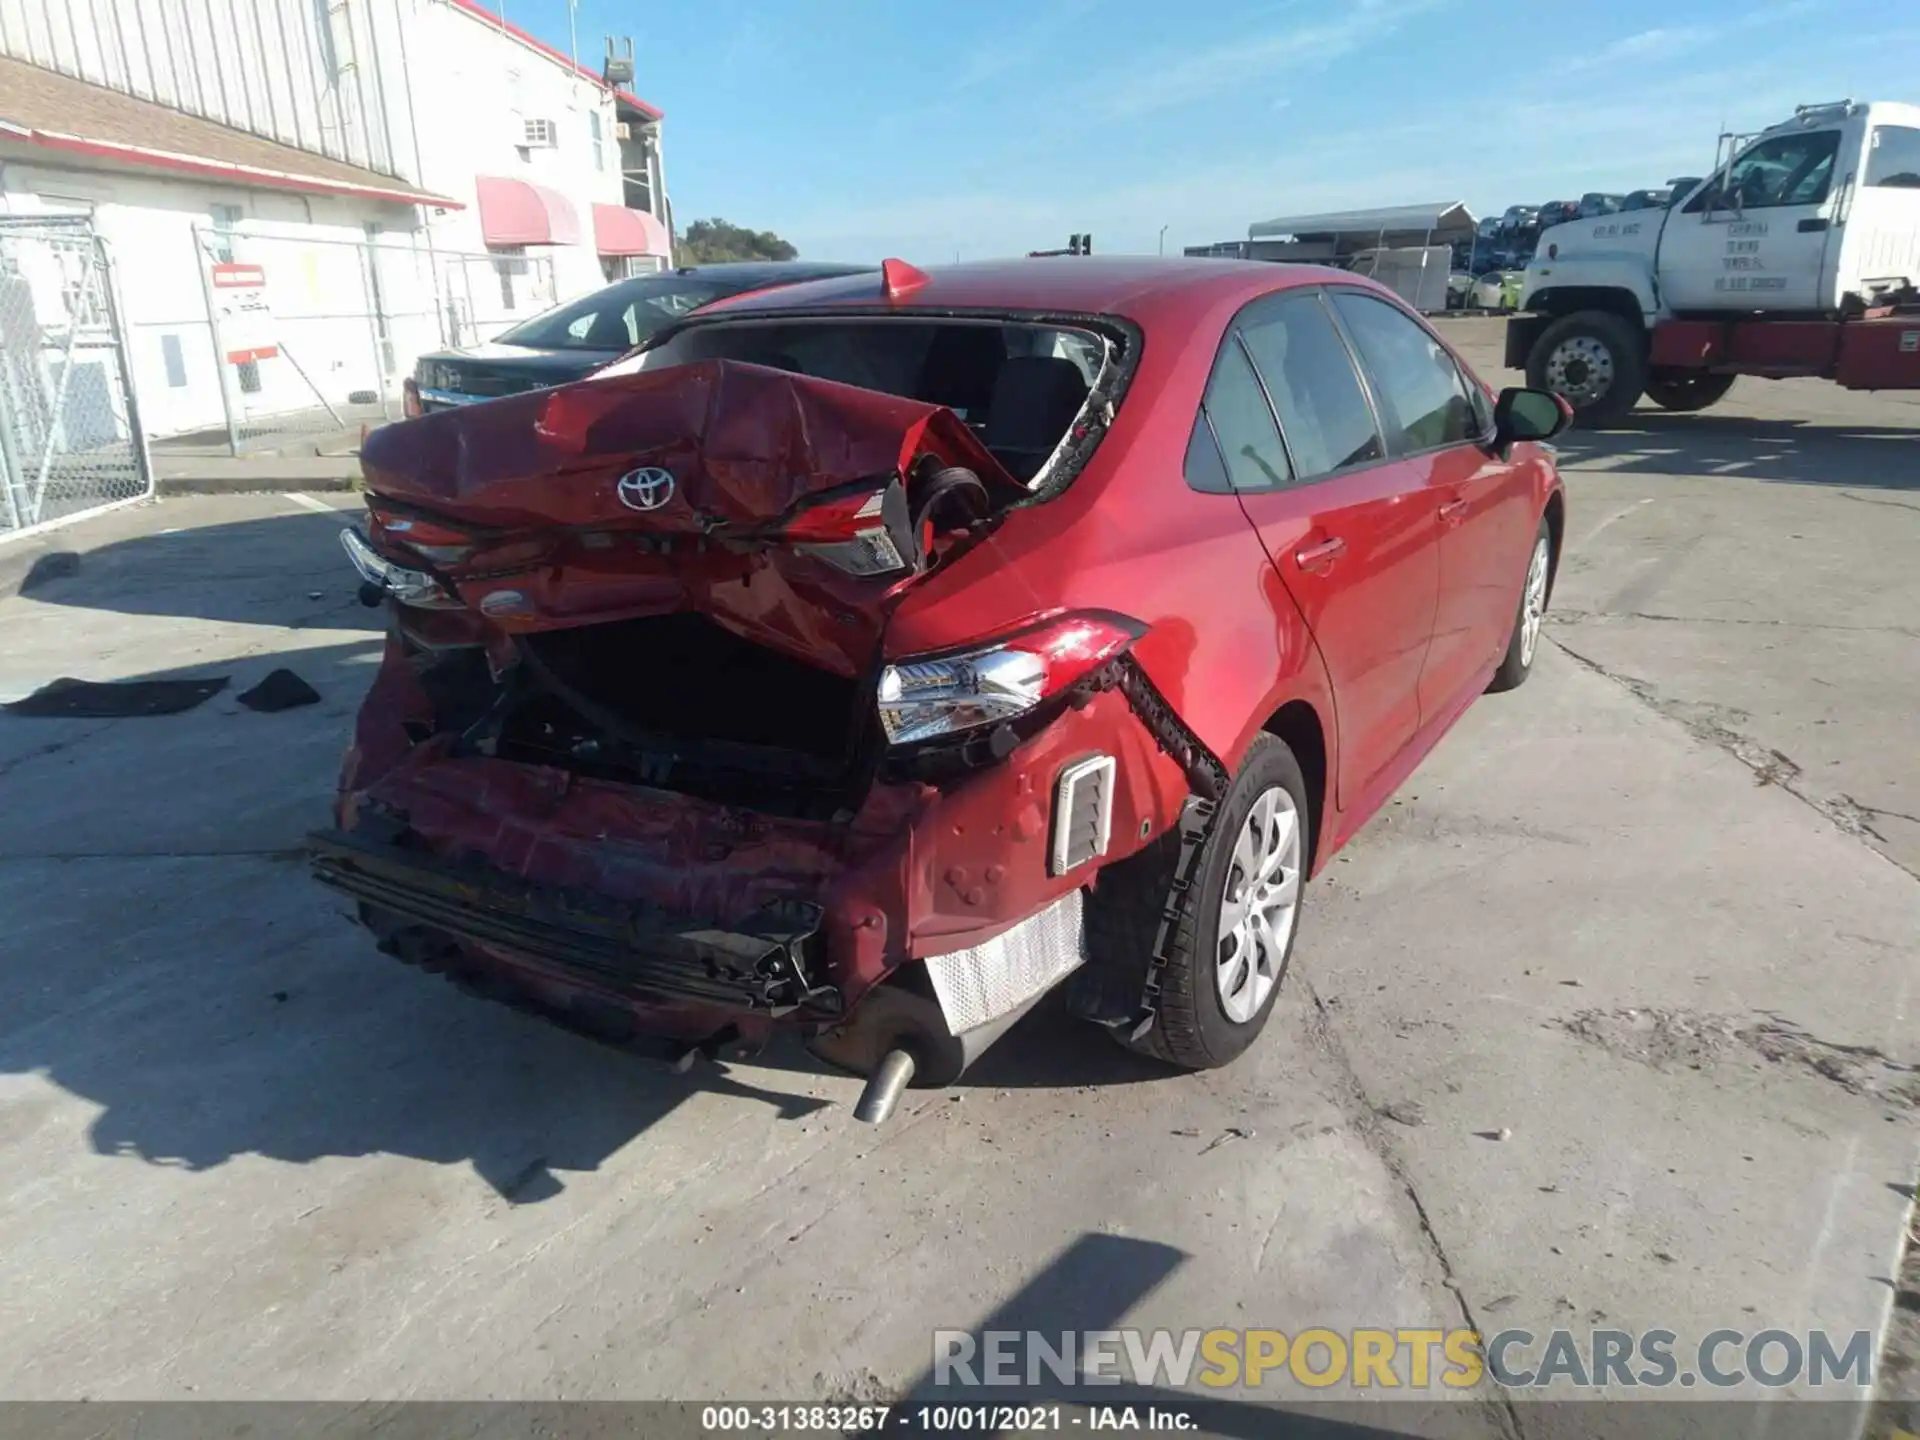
(312, 335)
(70, 436)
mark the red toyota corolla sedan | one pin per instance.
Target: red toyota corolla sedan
(867, 657)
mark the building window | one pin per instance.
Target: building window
(599, 152)
(323, 31)
(225, 217)
(175, 360)
(507, 263)
(540, 135)
(249, 377)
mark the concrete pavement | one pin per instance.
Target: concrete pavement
(286, 1167)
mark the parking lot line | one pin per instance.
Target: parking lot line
(307, 502)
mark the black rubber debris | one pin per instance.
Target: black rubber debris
(281, 690)
(55, 565)
(91, 700)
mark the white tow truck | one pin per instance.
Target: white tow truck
(1798, 255)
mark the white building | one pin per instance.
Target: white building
(319, 174)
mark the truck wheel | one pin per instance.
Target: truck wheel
(1231, 951)
(1596, 360)
(1687, 392)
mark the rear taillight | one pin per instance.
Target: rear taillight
(923, 699)
(862, 534)
(410, 404)
(442, 544)
(409, 587)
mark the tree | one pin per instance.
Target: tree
(708, 241)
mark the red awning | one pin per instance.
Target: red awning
(518, 212)
(620, 231)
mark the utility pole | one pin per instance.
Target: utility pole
(1163, 239)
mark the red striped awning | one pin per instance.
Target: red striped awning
(620, 231)
(518, 212)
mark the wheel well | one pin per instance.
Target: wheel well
(1297, 725)
(1556, 528)
(1569, 299)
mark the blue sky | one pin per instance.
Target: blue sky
(929, 128)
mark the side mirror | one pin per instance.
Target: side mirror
(1528, 415)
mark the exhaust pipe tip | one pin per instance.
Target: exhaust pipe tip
(892, 1076)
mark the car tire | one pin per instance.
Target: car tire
(1569, 351)
(1204, 1019)
(1523, 645)
(1685, 393)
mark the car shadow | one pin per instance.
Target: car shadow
(284, 569)
(173, 963)
(1797, 452)
(1084, 1295)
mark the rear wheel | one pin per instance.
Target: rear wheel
(1233, 946)
(1596, 360)
(1684, 391)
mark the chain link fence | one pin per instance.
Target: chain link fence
(70, 434)
(313, 336)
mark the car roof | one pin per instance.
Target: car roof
(1127, 286)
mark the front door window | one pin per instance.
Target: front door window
(1786, 170)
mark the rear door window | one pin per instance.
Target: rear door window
(1424, 400)
(1236, 418)
(1893, 159)
(1308, 371)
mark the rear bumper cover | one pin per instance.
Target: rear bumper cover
(770, 964)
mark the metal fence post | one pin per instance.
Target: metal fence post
(372, 294)
(9, 462)
(200, 253)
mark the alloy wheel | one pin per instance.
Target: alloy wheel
(1533, 604)
(1259, 905)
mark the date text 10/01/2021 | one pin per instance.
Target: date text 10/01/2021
(938, 1419)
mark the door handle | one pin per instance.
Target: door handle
(1454, 511)
(1810, 226)
(1321, 556)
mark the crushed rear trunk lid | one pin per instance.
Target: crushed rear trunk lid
(787, 509)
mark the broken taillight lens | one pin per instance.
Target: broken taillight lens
(923, 699)
(863, 534)
(442, 544)
(409, 587)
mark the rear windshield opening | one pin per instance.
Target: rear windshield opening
(1020, 386)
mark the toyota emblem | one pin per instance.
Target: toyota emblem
(645, 489)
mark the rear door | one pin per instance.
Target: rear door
(1350, 531)
(1484, 506)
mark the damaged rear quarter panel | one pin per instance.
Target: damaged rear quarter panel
(1130, 536)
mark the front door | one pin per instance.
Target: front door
(1350, 531)
(1484, 505)
(1755, 237)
